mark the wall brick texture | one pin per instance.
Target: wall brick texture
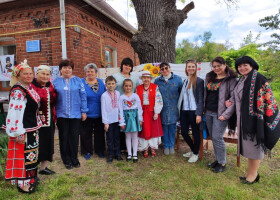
(84, 45)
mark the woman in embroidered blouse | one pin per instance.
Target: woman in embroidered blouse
(220, 83)
(71, 107)
(125, 73)
(256, 107)
(94, 88)
(190, 106)
(22, 126)
(42, 85)
(151, 102)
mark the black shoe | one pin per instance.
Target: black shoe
(219, 168)
(31, 189)
(69, 166)
(46, 171)
(118, 158)
(110, 160)
(77, 165)
(128, 158)
(250, 183)
(135, 159)
(100, 155)
(213, 164)
(242, 178)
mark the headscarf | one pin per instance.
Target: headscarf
(42, 68)
(17, 69)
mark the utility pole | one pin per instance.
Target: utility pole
(63, 29)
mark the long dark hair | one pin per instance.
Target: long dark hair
(211, 76)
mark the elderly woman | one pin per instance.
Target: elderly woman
(71, 107)
(170, 87)
(257, 116)
(94, 88)
(220, 83)
(42, 85)
(125, 73)
(151, 102)
(22, 126)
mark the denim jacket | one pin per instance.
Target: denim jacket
(170, 92)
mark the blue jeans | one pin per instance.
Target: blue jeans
(169, 132)
(217, 130)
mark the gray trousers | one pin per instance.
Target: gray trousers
(217, 130)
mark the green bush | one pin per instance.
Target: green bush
(3, 150)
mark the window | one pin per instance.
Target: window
(110, 57)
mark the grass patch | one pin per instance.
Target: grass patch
(162, 177)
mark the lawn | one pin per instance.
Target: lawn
(162, 177)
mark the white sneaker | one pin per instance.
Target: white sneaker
(188, 154)
(193, 159)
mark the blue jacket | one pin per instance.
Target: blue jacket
(94, 99)
(71, 97)
(170, 92)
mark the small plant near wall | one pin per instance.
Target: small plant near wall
(3, 150)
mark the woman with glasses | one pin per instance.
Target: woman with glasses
(170, 87)
(220, 83)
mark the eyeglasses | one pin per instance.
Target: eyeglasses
(164, 68)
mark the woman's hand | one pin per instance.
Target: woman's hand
(198, 119)
(141, 123)
(21, 139)
(155, 116)
(84, 116)
(222, 118)
(106, 127)
(228, 103)
(122, 127)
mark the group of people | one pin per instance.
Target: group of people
(135, 117)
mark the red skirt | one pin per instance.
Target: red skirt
(151, 128)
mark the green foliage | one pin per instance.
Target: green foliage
(204, 53)
(272, 22)
(249, 39)
(4, 139)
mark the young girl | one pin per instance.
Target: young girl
(130, 118)
(190, 105)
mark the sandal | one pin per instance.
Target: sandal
(31, 189)
(135, 159)
(154, 154)
(146, 154)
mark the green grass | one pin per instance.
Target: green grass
(162, 177)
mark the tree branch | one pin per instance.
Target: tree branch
(188, 8)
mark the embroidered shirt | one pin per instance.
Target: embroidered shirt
(158, 100)
(131, 102)
(71, 97)
(109, 113)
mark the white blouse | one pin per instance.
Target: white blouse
(158, 100)
(129, 103)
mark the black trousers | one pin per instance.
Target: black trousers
(188, 118)
(113, 139)
(89, 126)
(68, 130)
(46, 143)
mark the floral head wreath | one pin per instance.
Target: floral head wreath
(17, 69)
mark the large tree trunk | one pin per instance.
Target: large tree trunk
(158, 21)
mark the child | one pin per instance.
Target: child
(151, 101)
(110, 113)
(130, 118)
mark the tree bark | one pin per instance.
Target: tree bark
(158, 22)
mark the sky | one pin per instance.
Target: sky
(225, 24)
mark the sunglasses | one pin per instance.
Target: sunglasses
(164, 68)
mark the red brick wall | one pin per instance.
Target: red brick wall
(83, 47)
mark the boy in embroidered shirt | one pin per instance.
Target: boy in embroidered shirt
(110, 112)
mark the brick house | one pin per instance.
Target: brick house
(95, 32)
